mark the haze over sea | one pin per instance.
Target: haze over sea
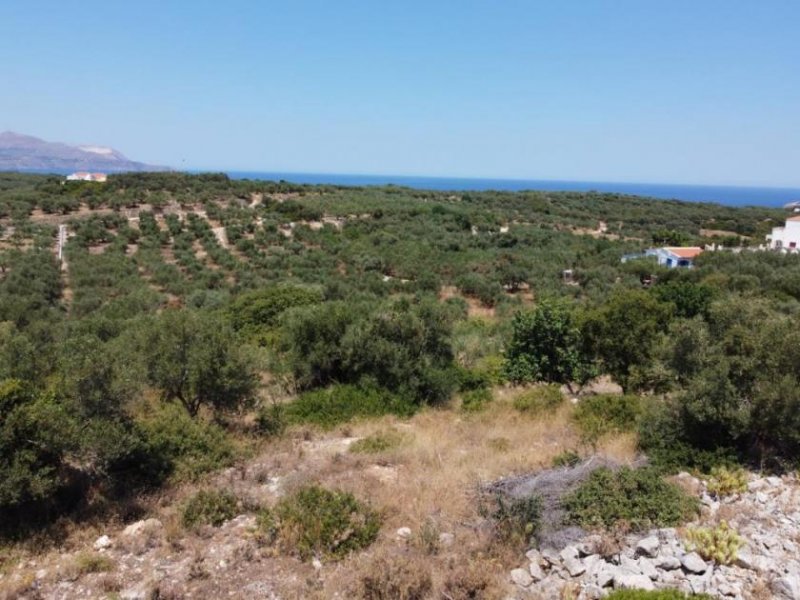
(727, 195)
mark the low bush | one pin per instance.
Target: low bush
(377, 442)
(599, 415)
(663, 438)
(342, 403)
(271, 420)
(655, 595)
(516, 520)
(185, 447)
(567, 458)
(470, 581)
(638, 497)
(476, 400)
(720, 544)
(92, 562)
(396, 578)
(209, 507)
(542, 399)
(725, 482)
(315, 521)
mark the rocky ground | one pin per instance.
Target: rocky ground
(766, 516)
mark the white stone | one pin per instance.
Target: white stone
(605, 577)
(521, 577)
(534, 555)
(404, 533)
(568, 552)
(446, 539)
(693, 563)
(535, 571)
(647, 568)
(102, 543)
(648, 546)
(574, 567)
(787, 587)
(668, 563)
(633, 582)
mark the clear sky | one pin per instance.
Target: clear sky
(679, 91)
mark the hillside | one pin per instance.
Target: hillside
(260, 389)
(27, 153)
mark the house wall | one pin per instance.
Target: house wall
(785, 238)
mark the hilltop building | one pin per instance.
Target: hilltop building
(84, 176)
(786, 238)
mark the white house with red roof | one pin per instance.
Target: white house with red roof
(670, 256)
(786, 238)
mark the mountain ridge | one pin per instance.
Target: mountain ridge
(21, 152)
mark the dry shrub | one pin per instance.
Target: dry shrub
(19, 587)
(396, 578)
(472, 580)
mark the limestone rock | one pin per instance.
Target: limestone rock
(102, 543)
(521, 577)
(648, 546)
(626, 581)
(693, 563)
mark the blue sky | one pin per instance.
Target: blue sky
(700, 91)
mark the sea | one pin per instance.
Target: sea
(726, 195)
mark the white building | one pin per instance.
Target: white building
(670, 256)
(786, 238)
(83, 176)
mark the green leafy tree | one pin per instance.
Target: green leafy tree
(195, 358)
(546, 346)
(622, 331)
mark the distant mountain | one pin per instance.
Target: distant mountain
(27, 153)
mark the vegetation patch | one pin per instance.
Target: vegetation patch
(599, 415)
(315, 521)
(209, 507)
(396, 578)
(640, 498)
(476, 400)
(516, 520)
(342, 403)
(724, 481)
(92, 562)
(378, 442)
(720, 544)
(542, 399)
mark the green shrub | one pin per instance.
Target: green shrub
(664, 439)
(271, 420)
(720, 544)
(516, 520)
(567, 458)
(316, 521)
(377, 443)
(476, 400)
(638, 497)
(725, 482)
(599, 415)
(92, 562)
(542, 399)
(655, 595)
(209, 507)
(342, 403)
(184, 447)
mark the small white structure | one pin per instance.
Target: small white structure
(670, 257)
(84, 176)
(786, 238)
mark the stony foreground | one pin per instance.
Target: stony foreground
(766, 516)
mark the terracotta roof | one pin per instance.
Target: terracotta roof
(688, 252)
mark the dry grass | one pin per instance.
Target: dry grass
(446, 456)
